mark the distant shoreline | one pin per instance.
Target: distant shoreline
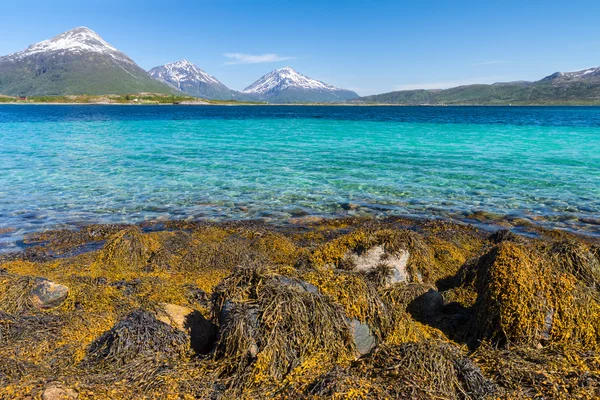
(296, 104)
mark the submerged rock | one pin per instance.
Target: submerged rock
(306, 220)
(47, 294)
(202, 332)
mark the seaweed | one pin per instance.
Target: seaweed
(290, 301)
(269, 330)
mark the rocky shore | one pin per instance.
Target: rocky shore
(320, 308)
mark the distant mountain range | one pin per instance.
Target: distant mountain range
(580, 87)
(80, 62)
(75, 62)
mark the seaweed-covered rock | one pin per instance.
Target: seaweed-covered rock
(577, 259)
(523, 298)
(139, 334)
(504, 235)
(269, 328)
(202, 333)
(423, 370)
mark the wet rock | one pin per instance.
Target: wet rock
(349, 206)
(47, 294)
(58, 392)
(364, 340)
(504, 235)
(202, 332)
(306, 220)
(427, 305)
(372, 258)
(298, 212)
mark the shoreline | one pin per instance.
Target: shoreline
(307, 104)
(483, 220)
(393, 308)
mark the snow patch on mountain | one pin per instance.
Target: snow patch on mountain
(76, 41)
(285, 78)
(181, 71)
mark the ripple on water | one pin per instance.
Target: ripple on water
(65, 167)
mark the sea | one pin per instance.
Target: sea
(64, 166)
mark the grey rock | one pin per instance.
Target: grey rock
(427, 305)
(364, 340)
(297, 283)
(47, 294)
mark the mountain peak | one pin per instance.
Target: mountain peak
(77, 40)
(288, 85)
(177, 72)
(187, 77)
(284, 78)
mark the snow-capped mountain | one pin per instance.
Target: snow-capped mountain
(285, 85)
(187, 77)
(76, 41)
(585, 74)
(78, 61)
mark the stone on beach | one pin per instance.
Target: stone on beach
(58, 392)
(364, 340)
(47, 294)
(427, 305)
(202, 332)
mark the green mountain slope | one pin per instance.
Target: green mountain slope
(74, 63)
(581, 87)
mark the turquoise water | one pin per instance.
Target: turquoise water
(63, 166)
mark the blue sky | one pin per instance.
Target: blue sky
(367, 46)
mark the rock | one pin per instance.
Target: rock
(59, 393)
(548, 322)
(202, 332)
(47, 294)
(427, 305)
(503, 235)
(364, 340)
(349, 206)
(306, 220)
(298, 212)
(377, 255)
(298, 283)
(230, 312)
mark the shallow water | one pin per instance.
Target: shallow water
(64, 166)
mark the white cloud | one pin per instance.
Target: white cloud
(240, 58)
(447, 84)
